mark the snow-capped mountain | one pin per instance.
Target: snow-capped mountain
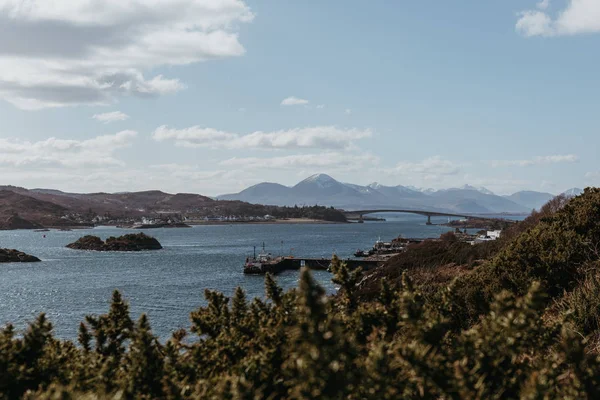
(321, 185)
(324, 190)
(480, 189)
(422, 190)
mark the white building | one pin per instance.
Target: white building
(489, 236)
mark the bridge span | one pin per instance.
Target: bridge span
(359, 214)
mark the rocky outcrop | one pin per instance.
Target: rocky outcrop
(131, 242)
(9, 256)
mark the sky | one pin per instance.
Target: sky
(212, 96)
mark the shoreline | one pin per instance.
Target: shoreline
(291, 221)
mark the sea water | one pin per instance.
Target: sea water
(168, 284)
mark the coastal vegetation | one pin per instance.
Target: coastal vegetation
(515, 319)
(315, 212)
(130, 242)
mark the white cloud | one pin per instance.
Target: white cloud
(429, 168)
(329, 161)
(318, 137)
(294, 101)
(348, 111)
(543, 5)
(53, 152)
(111, 117)
(540, 160)
(71, 52)
(580, 16)
(321, 106)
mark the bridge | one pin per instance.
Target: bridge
(359, 214)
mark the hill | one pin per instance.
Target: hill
(18, 211)
(31, 209)
(324, 190)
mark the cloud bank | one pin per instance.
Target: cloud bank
(294, 101)
(580, 16)
(70, 52)
(318, 137)
(540, 160)
(60, 153)
(111, 117)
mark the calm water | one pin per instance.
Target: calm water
(170, 283)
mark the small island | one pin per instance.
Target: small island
(131, 242)
(15, 256)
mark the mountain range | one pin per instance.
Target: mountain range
(322, 189)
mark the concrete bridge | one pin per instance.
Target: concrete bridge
(358, 214)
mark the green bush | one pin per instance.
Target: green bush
(552, 251)
(302, 344)
(583, 305)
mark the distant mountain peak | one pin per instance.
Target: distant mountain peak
(420, 189)
(375, 185)
(480, 189)
(320, 180)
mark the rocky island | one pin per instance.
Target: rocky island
(10, 256)
(131, 242)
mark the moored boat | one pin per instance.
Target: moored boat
(262, 263)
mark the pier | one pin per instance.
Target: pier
(291, 263)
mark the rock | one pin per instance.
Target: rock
(9, 256)
(131, 242)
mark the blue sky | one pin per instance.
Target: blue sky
(190, 95)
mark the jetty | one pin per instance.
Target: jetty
(281, 264)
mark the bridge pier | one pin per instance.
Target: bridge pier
(429, 220)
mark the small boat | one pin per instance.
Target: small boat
(261, 263)
(361, 253)
(381, 247)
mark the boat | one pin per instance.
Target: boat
(361, 253)
(262, 263)
(381, 248)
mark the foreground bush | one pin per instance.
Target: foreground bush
(301, 345)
